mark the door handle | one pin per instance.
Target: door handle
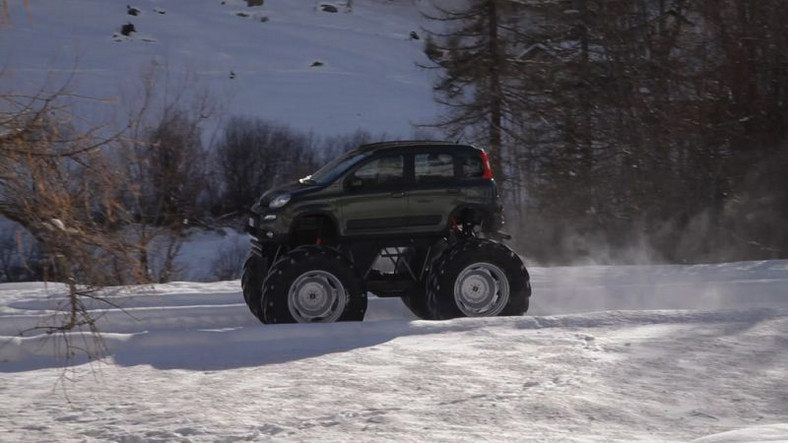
(397, 194)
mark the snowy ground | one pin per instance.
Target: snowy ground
(646, 353)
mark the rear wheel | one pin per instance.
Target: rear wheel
(312, 284)
(416, 302)
(478, 278)
(416, 299)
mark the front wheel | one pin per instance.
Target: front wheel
(478, 278)
(312, 284)
(254, 272)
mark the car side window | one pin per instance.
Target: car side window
(380, 172)
(434, 168)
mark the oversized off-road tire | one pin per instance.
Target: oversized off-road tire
(478, 278)
(416, 299)
(254, 272)
(313, 284)
(416, 302)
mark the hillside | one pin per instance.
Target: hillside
(287, 61)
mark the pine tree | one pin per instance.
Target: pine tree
(473, 51)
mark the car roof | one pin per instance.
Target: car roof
(399, 144)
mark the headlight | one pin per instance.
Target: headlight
(279, 201)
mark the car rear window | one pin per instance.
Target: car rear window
(471, 166)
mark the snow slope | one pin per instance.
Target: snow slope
(646, 353)
(258, 61)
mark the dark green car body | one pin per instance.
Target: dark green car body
(380, 191)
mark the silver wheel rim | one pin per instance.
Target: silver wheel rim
(316, 296)
(481, 290)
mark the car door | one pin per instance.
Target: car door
(375, 199)
(434, 193)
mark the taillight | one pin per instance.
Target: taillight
(487, 172)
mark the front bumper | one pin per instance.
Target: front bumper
(266, 227)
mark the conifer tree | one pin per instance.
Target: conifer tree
(472, 46)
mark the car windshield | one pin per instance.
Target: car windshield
(334, 168)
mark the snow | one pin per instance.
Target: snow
(199, 253)
(257, 65)
(654, 353)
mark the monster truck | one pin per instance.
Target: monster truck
(409, 219)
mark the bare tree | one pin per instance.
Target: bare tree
(57, 183)
(162, 155)
(63, 180)
(19, 254)
(253, 155)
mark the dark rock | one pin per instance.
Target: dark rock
(325, 7)
(414, 35)
(127, 29)
(132, 10)
(251, 3)
(317, 63)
